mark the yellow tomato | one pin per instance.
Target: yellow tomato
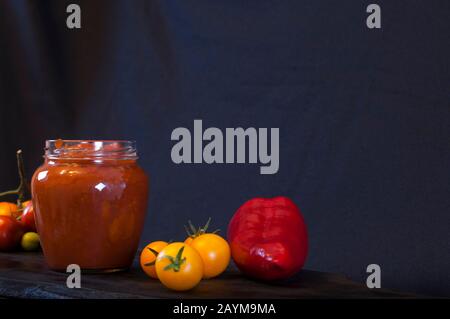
(179, 267)
(148, 257)
(188, 240)
(9, 209)
(215, 253)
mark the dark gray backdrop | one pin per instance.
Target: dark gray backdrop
(364, 115)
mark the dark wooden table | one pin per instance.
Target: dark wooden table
(25, 275)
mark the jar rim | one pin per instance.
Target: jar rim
(90, 149)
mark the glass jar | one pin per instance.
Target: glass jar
(90, 200)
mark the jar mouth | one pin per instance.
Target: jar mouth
(90, 149)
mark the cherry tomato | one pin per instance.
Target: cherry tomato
(179, 267)
(26, 203)
(215, 253)
(30, 241)
(11, 232)
(9, 209)
(148, 257)
(27, 218)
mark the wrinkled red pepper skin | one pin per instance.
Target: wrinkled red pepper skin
(268, 238)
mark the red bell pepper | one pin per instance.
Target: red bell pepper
(268, 238)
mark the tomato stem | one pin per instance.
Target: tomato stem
(194, 232)
(23, 189)
(10, 192)
(24, 186)
(175, 263)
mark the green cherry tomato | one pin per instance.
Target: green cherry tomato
(30, 241)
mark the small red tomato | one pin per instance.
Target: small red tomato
(8, 209)
(27, 218)
(11, 232)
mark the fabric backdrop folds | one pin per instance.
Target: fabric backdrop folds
(364, 115)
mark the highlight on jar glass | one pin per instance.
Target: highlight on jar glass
(90, 202)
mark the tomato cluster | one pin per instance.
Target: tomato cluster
(17, 226)
(267, 241)
(17, 223)
(182, 265)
